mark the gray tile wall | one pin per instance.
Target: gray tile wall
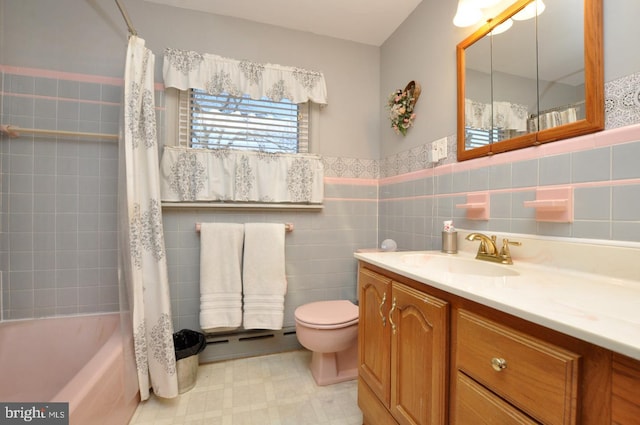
(59, 196)
(606, 198)
(319, 252)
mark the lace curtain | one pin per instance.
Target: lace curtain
(504, 115)
(191, 175)
(184, 69)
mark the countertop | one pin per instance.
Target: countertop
(603, 309)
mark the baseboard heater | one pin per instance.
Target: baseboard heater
(248, 343)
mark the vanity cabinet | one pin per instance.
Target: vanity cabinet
(455, 361)
(403, 353)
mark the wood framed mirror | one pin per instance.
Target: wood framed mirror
(539, 81)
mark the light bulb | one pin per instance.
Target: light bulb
(467, 14)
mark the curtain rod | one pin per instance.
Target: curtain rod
(12, 131)
(125, 15)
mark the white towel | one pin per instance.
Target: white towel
(220, 275)
(263, 275)
(568, 116)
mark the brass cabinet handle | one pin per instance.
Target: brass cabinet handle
(384, 300)
(498, 364)
(393, 308)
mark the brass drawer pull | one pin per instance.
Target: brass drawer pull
(384, 300)
(393, 308)
(498, 364)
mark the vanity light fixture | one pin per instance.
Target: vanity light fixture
(470, 12)
(467, 14)
(531, 10)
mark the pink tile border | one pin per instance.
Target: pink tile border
(70, 76)
(55, 98)
(626, 182)
(60, 75)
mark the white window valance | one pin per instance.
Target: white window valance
(193, 175)
(184, 69)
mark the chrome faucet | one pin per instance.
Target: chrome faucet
(488, 250)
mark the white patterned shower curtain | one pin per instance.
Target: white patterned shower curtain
(144, 264)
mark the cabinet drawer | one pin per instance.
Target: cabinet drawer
(539, 378)
(478, 406)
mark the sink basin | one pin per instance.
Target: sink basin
(458, 265)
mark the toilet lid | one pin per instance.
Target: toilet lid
(328, 313)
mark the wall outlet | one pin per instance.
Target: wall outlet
(439, 149)
(435, 157)
(441, 145)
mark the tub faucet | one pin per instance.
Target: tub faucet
(488, 250)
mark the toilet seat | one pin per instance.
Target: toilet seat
(327, 314)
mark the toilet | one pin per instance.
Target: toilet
(329, 329)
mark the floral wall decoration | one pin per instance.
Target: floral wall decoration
(401, 104)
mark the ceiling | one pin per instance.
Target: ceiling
(363, 21)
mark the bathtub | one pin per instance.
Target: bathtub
(81, 360)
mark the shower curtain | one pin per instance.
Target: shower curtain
(144, 265)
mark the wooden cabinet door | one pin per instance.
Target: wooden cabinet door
(374, 352)
(419, 354)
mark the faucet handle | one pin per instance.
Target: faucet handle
(507, 242)
(505, 252)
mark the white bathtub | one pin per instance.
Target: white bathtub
(80, 360)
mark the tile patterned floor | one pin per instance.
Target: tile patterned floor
(276, 389)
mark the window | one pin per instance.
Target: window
(478, 137)
(231, 122)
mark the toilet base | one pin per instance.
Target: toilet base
(332, 368)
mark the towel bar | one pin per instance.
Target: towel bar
(288, 227)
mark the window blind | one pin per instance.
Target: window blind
(231, 122)
(478, 137)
